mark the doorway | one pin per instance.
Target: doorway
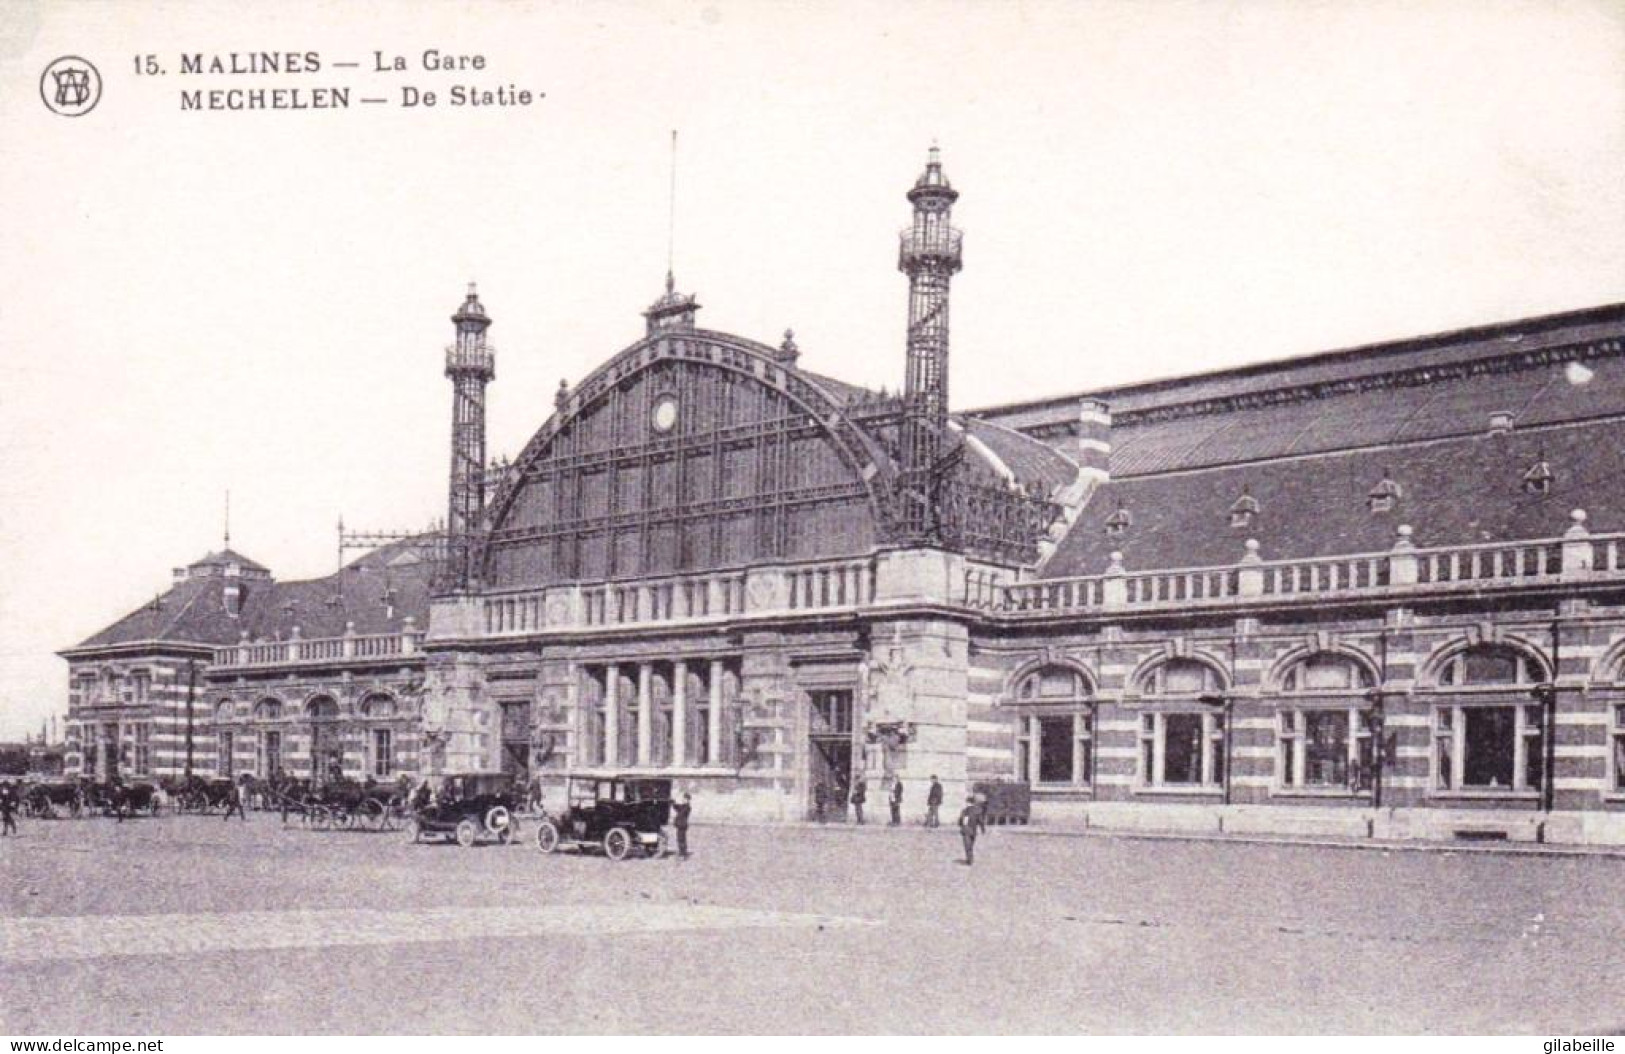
(829, 753)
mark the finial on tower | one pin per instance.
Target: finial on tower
(228, 518)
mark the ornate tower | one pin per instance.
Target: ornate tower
(470, 363)
(929, 254)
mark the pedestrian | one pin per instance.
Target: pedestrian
(896, 801)
(679, 820)
(933, 804)
(8, 810)
(820, 801)
(971, 823)
(860, 794)
(234, 802)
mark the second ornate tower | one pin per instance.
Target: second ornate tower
(930, 254)
(470, 363)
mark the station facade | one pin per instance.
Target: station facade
(1371, 592)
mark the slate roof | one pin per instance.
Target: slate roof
(194, 610)
(1454, 491)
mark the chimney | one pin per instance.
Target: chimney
(1091, 444)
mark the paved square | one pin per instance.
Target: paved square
(191, 925)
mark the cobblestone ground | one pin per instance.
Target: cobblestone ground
(194, 925)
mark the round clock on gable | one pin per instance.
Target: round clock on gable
(664, 416)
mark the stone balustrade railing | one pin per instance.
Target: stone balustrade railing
(1577, 556)
(297, 650)
(823, 585)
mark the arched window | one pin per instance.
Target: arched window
(1182, 743)
(1326, 672)
(1488, 734)
(223, 710)
(1182, 677)
(322, 708)
(1055, 727)
(1488, 664)
(1324, 742)
(268, 709)
(379, 707)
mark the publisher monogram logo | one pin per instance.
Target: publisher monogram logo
(70, 86)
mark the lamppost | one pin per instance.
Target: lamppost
(1546, 694)
(1379, 749)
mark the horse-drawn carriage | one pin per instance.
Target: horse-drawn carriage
(345, 805)
(199, 794)
(49, 799)
(118, 798)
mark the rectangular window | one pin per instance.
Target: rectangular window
(225, 763)
(1488, 747)
(1325, 749)
(1619, 747)
(383, 753)
(143, 749)
(1182, 749)
(271, 754)
(1055, 750)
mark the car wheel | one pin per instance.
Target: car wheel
(547, 837)
(468, 832)
(617, 843)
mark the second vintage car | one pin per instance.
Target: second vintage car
(470, 807)
(612, 813)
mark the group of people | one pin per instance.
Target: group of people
(972, 818)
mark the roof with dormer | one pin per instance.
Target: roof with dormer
(1458, 424)
(375, 593)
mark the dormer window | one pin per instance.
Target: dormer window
(1119, 521)
(1245, 510)
(1385, 495)
(1537, 479)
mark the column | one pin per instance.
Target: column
(612, 716)
(679, 714)
(713, 724)
(645, 714)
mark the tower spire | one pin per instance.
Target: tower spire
(930, 254)
(471, 364)
(671, 218)
(228, 519)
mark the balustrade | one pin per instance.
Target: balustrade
(316, 650)
(1578, 557)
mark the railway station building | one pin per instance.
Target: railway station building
(1371, 592)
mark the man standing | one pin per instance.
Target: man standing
(971, 823)
(8, 809)
(933, 804)
(820, 799)
(896, 801)
(860, 794)
(679, 820)
(234, 801)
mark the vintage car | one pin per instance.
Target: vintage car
(612, 813)
(471, 806)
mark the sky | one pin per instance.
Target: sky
(196, 302)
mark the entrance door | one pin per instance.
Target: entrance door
(829, 753)
(516, 740)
